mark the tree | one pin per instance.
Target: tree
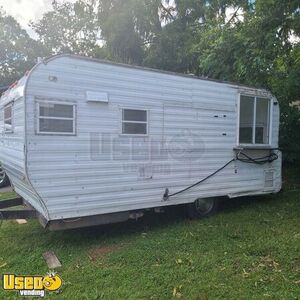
(71, 28)
(190, 25)
(129, 27)
(18, 51)
(114, 29)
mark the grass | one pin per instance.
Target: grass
(249, 250)
(9, 195)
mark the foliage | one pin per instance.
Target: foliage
(171, 49)
(70, 28)
(128, 27)
(18, 52)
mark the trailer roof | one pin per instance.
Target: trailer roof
(104, 61)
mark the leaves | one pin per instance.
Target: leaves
(18, 52)
(71, 28)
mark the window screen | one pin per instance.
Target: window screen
(54, 118)
(246, 119)
(254, 120)
(134, 121)
(8, 124)
(262, 121)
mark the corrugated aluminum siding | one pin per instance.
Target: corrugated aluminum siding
(192, 122)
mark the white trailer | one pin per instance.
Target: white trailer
(88, 141)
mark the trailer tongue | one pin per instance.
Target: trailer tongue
(16, 208)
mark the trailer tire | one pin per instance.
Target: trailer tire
(202, 207)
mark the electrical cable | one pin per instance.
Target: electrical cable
(247, 159)
(260, 160)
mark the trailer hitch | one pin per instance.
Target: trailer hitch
(24, 212)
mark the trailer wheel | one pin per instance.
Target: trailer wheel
(202, 207)
(4, 181)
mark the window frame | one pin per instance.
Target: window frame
(134, 122)
(38, 117)
(270, 117)
(5, 130)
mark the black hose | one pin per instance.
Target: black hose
(247, 159)
(197, 183)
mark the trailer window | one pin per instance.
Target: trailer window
(262, 121)
(8, 120)
(134, 121)
(254, 120)
(56, 118)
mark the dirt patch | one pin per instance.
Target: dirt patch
(102, 251)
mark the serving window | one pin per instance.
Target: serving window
(255, 116)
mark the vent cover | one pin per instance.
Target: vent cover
(269, 179)
(97, 97)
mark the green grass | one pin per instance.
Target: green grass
(249, 250)
(9, 195)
